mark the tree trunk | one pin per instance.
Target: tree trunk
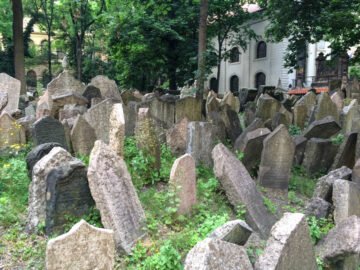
(219, 64)
(78, 58)
(18, 38)
(49, 55)
(202, 48)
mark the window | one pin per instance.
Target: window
(214, 84)
(260, 79)
(234, 84)
(261, 50)
(234, 55)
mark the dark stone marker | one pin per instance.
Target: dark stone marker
(232, 123)
(67, 195)
(49, 130)
(346, 152)
(91, 92)
(324, 128)
(38, 153)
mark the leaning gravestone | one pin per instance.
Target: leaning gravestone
(346, 152)
(38, 153)
(232, 101)
(235, 232)
(188, 107)
(325, 107)
(108, 88)
(67, 194)
(176, 137)
(115, 196)
(255, 124)
(350, 117)
(346, 199)
(183, 182)
(356, 172)
(11, 133)
(300, 144)
(63, 84)
(289, 246)
(11, 87)
(276, 159)
(49, 130)
(240, 188)
(324, 128)
(91, 92)
(37, 189)
(232, 123)
(3, 100)
(117, 129)
(84, 247)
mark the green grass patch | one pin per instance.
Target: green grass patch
(301, 183)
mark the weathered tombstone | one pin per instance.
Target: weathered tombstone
(146, 137)
(232, 123)
(131, 111)
(215, 254)
(318, 208)
(183, 182)
(346, 152)
(340, 248)
(232, 101)
(48, 129)
(11, 87)
(276, 159)
(30, 110)
(70, 111)
(65, 83)
(267, 106)
(200, 141)
(235, 232)
(91, 92)
(324, 128)
(350, 116)
(188, 107)
(319, 155)
(176, 137)
(3, 100)
(67, 194)
(59, 101)
(10, 131)
(117, 129)
(44, 105)
(252, 147)
(356, 172)
(338, 100)
(289, 245)
(300, 145)
(300, 115)
(325, 107)
(346, 199)
(212, 104)
(108, 88)
(257, 123)
(98, 117)
(309, 101)
(83, 136)
(163, 112)
(249, 113)
(38, 153)
(37, 189)
(115, 196)
(84, 247)
(241, 189)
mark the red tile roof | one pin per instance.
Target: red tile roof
(302, 91)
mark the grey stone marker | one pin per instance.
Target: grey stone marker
(267, 107)
(257, 123)
(115, 197)
(325, 107)
(241, 189)
(232, 123)
(346, 199)
(276, 159)
(215, 254)
(82, 136)
(91, 92)
(117, 129)
(84, 247)
(163, 112)
(324, 128)
(289, 246)
(300, 145)
(131, 111)
(65, 83)
(49, 130)
(346, 152)
(10, 131)
(108, 88)
(188, 107)
(10, 87)
(356, 172)
(176, 137)
(3, 100)
(67, 194)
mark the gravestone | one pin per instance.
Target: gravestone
(350, 117)
(82, 136)
(241, 189)
(325, 107)
(356, 172)
(324, 128)
(44, 105)
(235, 232)
(319, 155)
(200, 141)
(338, 100)
(252, 147)
(3, 100)
(163, 112)
(38, 153)
(232, 101)
(11, 133)
(346, 152)
(346, 199)
(188, 107)
(70, 111)
(257, 123)
(26, 123)
(276, 159)
(267, 106)
(83, 247)
(215, 254)
(67, 194)
(65, 83)
(212, 104)
(59, 101)
(183, 182)
(300, 145)
(37, 189)
(146, 137)
(91, 92)
(117, 129)
(108, 88)
(318, 208)
(176, 137)
(131, 111)
(9, 87)
(115, 197)
(309, 101)
(98, 117)
(30, 110)
(300, 115)
(49, 130)
(232, 123)
(289, 245)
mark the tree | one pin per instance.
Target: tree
(228, 22)
(307, 21)
(19, 59)
(204, 5)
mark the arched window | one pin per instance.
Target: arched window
(261, 50)
(234, 55)
(260, 79)
(214, 84)
(234, 84)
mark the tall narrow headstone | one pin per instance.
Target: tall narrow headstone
(10, 131)
(83, 136)
(49, 130)
(115, 197)
(117, 129)
(108, 88)
(11, 87)
(325, 107)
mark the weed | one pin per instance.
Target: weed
(338, 139)
(294, 199)
(92, 217)
(254, 252)
(294, 130)
(85, 159)
(300, 182)
(319, 227)
(240, 155)
(240, 210)
(269, 205)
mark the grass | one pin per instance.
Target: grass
(301, 183)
